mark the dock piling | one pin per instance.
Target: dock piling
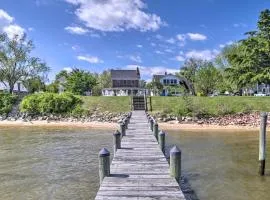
(116, 141)
(123, 129)
(262, 143)
(156, 130)
(161, 140)
(175, 163)
(104, 164)
(151, 124)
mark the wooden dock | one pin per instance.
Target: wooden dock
(139, 170)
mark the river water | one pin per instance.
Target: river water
(38, 163)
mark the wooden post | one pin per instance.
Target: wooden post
(156, 130)
(175, 163)
(151, 124)
(150, 101)
(262, 143)
(161, 140)
(116, 141)
(104, 164)
(123, 129)
(126, 122)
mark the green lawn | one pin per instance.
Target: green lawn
(210, 106)
(111, 104)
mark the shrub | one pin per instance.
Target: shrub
(50, 103)
(6, 102)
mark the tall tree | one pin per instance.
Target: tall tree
(103, 81)
(189, 70)
(79, 81)
(250, 64)
(207, 79)
(16, 62)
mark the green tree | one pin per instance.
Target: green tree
(16, 62)
(79, 81)
(189, 70)
(250, 63)
(207, 79)
(103, 81)
(33, 85)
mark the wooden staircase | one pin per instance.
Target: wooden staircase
(138, 103)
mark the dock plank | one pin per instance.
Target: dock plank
(139, 170)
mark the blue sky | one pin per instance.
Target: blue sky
(156, 35)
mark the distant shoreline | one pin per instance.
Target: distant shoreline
(112, 126)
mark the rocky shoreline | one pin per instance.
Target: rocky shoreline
(237, 120)
(241, 119)
(96, 116)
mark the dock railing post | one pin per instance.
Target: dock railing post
(161, 140)
(123, 129)
(262, 143)
(126, 122)
(116, 141)
(156, 130)
(104, 164)
(175, 163)
(151, 124)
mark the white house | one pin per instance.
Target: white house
(18, 87)
(170, 80)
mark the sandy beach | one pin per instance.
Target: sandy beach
(107, 125)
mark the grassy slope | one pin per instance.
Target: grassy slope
(208, 105)
(111, 104)
(212, 105)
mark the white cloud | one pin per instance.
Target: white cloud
(13, 30)
(68, 69)
(196, 36)
(116, 15)
(180, 58)
(8, 26)
(159, 52)
(136, 59)
(181, 37)
(191, 36)
(204, 54)
(75, 47)
(4, 16)
(226, 44)
(239, 25)
(76, 30)
(151, 70)
(153, 44)
(139, 46)
(90, 59)
(30, 29)
(171, 41)
(169, 50)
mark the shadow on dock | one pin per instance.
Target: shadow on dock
(185, 186)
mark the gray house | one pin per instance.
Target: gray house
(124, 83)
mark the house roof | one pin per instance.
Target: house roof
(125, 74)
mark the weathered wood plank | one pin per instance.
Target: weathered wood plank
(139, 169)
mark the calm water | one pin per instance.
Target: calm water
(222, 165)
(62, 164)
(50, 163)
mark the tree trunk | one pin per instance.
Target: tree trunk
(11, 88)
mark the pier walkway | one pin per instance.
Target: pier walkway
(139, 170)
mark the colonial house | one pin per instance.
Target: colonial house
(18, 88)
(124, 83)
(170, 80)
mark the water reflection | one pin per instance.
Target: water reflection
(50, 163)
(222, 165)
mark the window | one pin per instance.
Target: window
(175, 81)
(164, 81)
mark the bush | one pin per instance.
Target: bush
(50, 103)
(6, 102)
